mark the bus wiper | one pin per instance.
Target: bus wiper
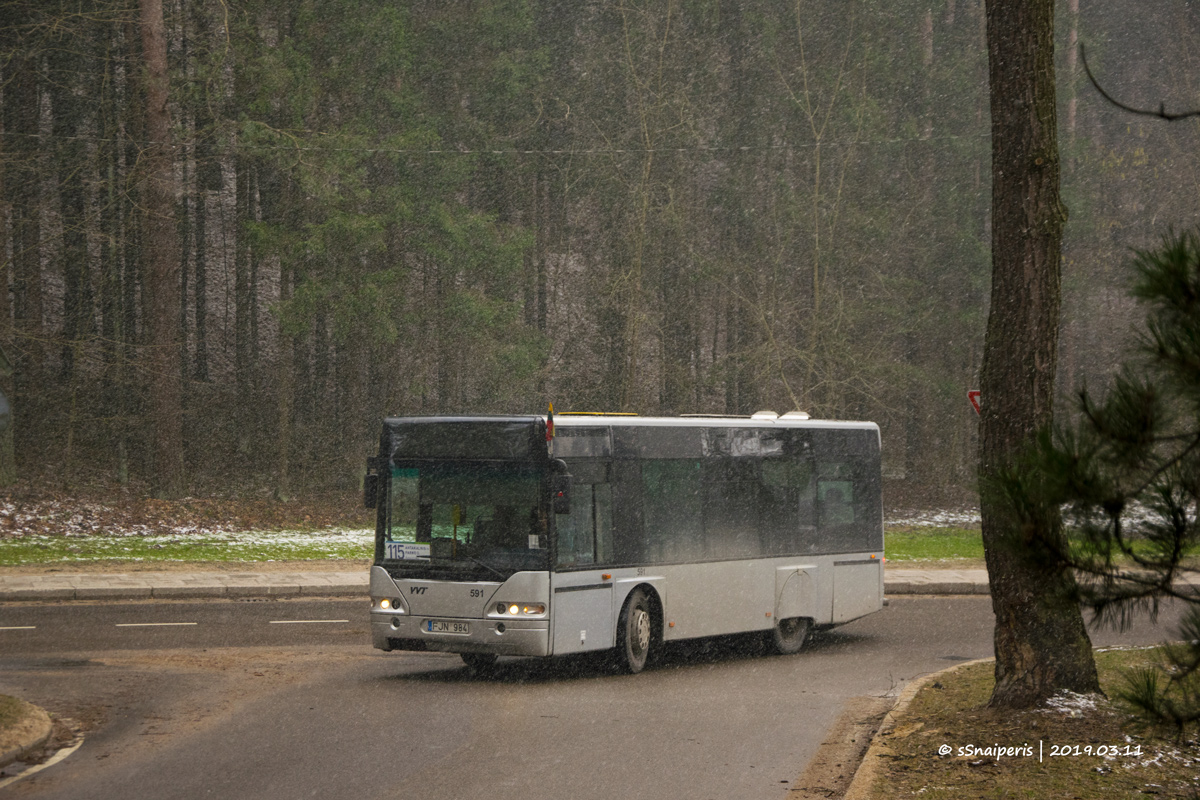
(503, 577)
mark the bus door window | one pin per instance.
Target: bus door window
(585, 535)
(576, 535)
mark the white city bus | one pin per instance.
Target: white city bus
(511, 536)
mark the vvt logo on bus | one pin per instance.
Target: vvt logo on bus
(417, 589)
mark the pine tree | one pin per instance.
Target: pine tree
(1127, 470)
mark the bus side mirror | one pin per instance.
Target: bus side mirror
(371, 490)
(560, 493)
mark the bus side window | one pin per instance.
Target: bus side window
(789, 518)
(734, 512)
(671, 493)
(628, 524)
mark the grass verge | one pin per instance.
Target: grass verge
(928, 546)
(933, 545)
(11, 711)
(945, 746)
(192, 547)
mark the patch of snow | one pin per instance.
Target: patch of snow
(938, 518)
(1072, 704)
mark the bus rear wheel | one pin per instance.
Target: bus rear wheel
(789, 634)
(479, 663)
(635, 633)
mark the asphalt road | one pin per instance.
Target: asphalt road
(286, 699)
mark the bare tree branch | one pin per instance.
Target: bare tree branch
(1162, 108)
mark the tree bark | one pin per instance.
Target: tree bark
(241, 288)
(21, 109)
(160, 249)
(1041, 643)
(78, 302)
(8, 466)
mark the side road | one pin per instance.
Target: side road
(323, 583)
(34, 727)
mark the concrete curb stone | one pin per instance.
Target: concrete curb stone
(179, 585)
(200, 585)
(864, 777)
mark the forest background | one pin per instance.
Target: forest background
(657, 206)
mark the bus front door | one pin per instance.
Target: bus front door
(582, 613)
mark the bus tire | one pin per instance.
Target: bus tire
(635, 633)
(479, 663)
(788, 635)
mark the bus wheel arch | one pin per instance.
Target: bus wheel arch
(639, 628)
(788, 635)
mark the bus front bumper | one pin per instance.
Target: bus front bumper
(502, 637)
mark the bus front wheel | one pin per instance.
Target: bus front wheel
(636, 632)
(789, 634)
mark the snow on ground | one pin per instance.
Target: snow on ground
(47, 530)
(937, 518)
(1072, 704)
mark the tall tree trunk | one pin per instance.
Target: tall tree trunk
(200, 286)
(284, 385)
(1042, 646)
(70, 160)
(22, 112)
(8, 466)
(161, 253)
(242, 298)
(921, 423)
(208, 178)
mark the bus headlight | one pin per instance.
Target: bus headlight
(520, 609)
(527, 609)
(388, 604)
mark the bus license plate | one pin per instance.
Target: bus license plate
(441, 626)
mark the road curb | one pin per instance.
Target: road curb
(180, 586)
(936, 587)
(178, 593)
(37, 734)
(864, 777)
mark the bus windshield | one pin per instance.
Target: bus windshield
(486, 519)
